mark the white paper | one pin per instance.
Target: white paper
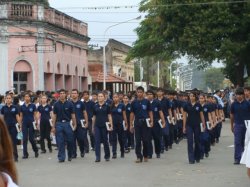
(83, 123)
(160, 123)
(247, 122)
(17, 127)
(124, 125)
(50, 122)
(71, 124)
(169, 121)
(108, 126)
(202, 129)
(209, 127)
(148, 122)
(173, 121)
(180, 116)
(34, 125)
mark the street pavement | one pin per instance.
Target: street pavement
(172, 169)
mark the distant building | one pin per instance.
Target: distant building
(41, 48)
(120, 75)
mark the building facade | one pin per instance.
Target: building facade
(41, 48)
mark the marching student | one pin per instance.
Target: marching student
(167, 112)
(11, 117)
(156, 131)
(101, 116)
(140, 112)
(205, 136)
(94, 97)
(89, 105)
(213, 108)
(191, 126)
(63, 113)
(45, 112)
(80, 133)
(129, 136)
(173, 126)
(27, 117)
(247, 93)
(240, 111)
(118, 117)
(219, 119)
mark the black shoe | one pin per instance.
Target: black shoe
(114, 156)
(166, 148)
(207, 155)
(74, 156)
(170, 147)
(191, 162)
(217, 141)
(50, 150)
(162, 151)
(127, 150)
(60, 161)
(202, 158)
(107, 159)
(69, 159)
(122, 155)
(139, 160)
(150, 157)
(236, 162)
(158, 156)
(97, 160)
(87, 151)
(82, 155)
(16, 159)
(36, 154)
(132, 147)
(43, 152)
(197, 161)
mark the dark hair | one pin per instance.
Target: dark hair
(26, 93)
(75, 90)
(62, 90)
(247, 88)
(85, 92)
(94, 93)
(150, 92)
(239, 91)
(160, 90)
(140, 88)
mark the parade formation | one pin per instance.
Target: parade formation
(148, 122)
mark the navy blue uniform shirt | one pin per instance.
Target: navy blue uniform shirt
(79, 109)
(165, 105)
(63, 111)
(117, 113)
(206, 110)
(28, 112)
(101, 114)
(140, 108)
(241, 111)
(44, 111)
(89, 105)
(9, 114)
(156, 108)
(128, 111)
(193, 112)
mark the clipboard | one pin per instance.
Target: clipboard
(209, 126)
(50, 122)
(160, 123)
(71, 125)
(202, 129)
(124, 125)
(34, 125)
(148, 122)
(108, 126)
(83, 123)
(18, 128)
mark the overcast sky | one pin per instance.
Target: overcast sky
(99, 20)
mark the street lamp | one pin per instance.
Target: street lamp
(104, 52)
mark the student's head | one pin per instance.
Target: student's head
(116, 98)
(160, 92)
(125, 99)
(239, 94)
(101, 97)
(85, 95)
(202, 98)
(62, 94)
(8, 99)
(7, 164)
(140, 92)
(121, 94)
(94, 96)
(27, 97)
(247, 91)
(150, 95)
(74, 94)
(44, 99)
(192, 97)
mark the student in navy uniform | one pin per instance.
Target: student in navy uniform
(129, 136)
(101, 115)
(80, 133)
(166, 109)
(140, 111)
(240, 111)
(27, 117)
(173, 126)
(118, 117)
(205, 136)
(89, 105)
(11, 117)
(94, 97)
(156, 131)
(191, 126)
(45, 112)
(220, 118)
(63, 113)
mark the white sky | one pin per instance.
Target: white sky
(96, 19)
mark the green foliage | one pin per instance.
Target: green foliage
(204, 32)
(213, 79)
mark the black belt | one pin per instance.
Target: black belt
(63, 121)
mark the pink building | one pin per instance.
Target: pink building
(41, 49)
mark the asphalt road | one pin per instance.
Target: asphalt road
(172, 169)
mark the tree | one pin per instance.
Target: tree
(213, 79)
(204, 31)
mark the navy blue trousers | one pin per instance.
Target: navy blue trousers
(193, 141)
(239, 140)
(80, 135)
(118, 132)
(101, 136)
(13, 134)
(28, 133)
(64, 134)
(156, 134)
